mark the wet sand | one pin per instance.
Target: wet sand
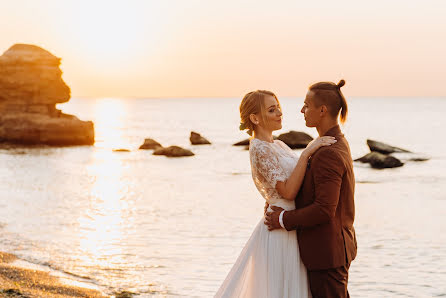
(20, 282)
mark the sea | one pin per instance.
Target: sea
(172, 227)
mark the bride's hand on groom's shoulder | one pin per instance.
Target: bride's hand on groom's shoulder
(272, 218)
(318, 143)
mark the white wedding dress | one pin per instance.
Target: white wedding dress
(269, 264)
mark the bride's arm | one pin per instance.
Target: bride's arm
(289, 188)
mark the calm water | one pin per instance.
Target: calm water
(173, 227)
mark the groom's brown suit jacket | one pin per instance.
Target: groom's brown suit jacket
(325, 208)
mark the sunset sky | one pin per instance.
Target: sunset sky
(227, 48)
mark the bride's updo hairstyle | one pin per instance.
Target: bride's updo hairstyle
(253, 103)
(330, 95)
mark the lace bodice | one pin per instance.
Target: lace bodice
(271, 162)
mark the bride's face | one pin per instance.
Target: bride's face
(272, 118)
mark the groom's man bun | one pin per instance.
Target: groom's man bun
(330, 95)
(341, 83)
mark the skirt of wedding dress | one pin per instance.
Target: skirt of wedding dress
(269, 266)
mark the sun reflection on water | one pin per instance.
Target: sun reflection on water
(109, 116)
(103, 222)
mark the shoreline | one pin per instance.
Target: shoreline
(22, 281)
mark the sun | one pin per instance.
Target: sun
(109, 34)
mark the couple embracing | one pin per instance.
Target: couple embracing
(304, 245)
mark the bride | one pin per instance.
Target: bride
(269, 264)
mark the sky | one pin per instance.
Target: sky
(188, 48)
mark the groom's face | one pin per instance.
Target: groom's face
(310, 111)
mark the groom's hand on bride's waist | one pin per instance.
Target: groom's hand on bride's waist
(272, 218)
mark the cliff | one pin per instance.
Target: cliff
(30, 87)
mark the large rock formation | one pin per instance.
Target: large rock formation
(30, 87)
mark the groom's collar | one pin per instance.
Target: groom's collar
(334, 131)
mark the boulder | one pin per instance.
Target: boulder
(380, 161)
(124, 294)
(150, 144)
(405, 157)
(246, 142)
(197, 139)
(30, 87)
(383, 148)
(295, 139)
(173, 151)
(242, 143)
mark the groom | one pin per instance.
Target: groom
(325, 208)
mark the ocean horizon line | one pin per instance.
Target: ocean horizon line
(235, 97)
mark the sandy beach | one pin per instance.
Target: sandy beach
(20, 282)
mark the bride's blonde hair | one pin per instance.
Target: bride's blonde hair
(253, 103)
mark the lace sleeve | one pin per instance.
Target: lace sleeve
(266, 162)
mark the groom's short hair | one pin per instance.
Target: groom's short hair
(330, 95)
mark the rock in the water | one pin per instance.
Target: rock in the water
(405, 157)
(197, 139)
(380, 161)
(30, 87)
(124, 294)
(419, 159)
(295, 139)
(380, 147)
(13, 293)
(246, 142)
(121, 150)
(173, 151)
(242, 143)
(366, 158)
(150, 144)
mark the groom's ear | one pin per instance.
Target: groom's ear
(323, 110)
